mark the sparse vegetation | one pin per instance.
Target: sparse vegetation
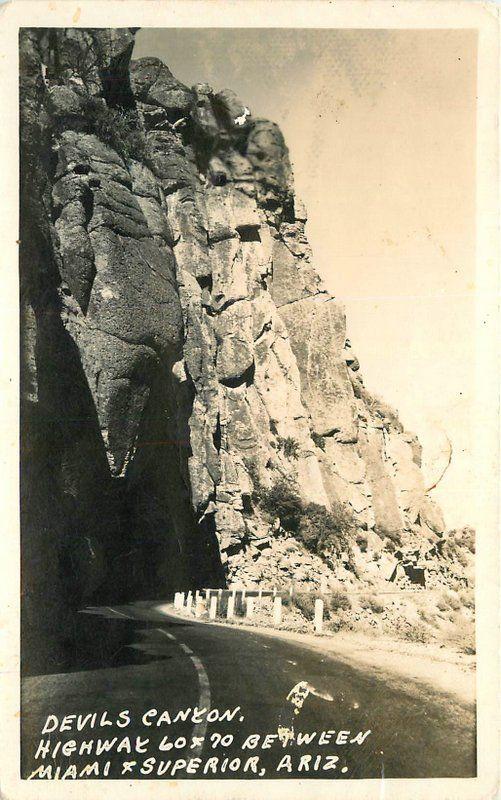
(467, 598)
(338, 600)
(417, 632)
(372, 603)
(117, 127)
(448, 601)
(459, 545)
(318, 440)
(327, 533)
(333, 602)
(281, 500)
(323, 532)
(305, 601)
(377, 406)
(289, 446)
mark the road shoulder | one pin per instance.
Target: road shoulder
(415, 667)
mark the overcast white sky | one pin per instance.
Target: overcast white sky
(381, 130)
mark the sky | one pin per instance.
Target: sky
(380, 126)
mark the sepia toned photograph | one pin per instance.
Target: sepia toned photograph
(248, 359)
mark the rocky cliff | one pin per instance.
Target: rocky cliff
(180, 355)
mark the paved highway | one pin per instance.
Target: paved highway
(132, 660)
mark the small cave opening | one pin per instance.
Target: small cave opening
(218, 178)
(81, 169)
(249, 233)
(55, 212)
(116, 88)
(205, 282)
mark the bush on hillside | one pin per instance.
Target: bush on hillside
(118, 127)
(289, 446)
(318, 440)
(372, 603)
(448, 601)
(459, 545)
(333, 602)
(326, 533)
(338, 601)
(281, 500)
(305, 601)
(417, 632)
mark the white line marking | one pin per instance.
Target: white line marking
(204, 686)
(109, 608)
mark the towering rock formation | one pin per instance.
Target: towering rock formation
(178, 346)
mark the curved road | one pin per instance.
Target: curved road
(135, 659)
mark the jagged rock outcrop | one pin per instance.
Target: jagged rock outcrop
(179, 347)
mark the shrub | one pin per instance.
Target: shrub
(117, 127)
(289, 446)
(448, 600)
(417, 632)
(467, 598)
(362, 541)
(372, 603)
(281, 500)
(326, 533)
(338, 600)
(465, 537)
(427, 616)
(468, 645)
(318, 440)
(333, 624)
(333, 602)
(336, 623)
(459, 544)
(305, 601)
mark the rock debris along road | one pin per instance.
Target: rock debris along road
(134, 658)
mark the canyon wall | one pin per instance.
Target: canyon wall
(179, 350)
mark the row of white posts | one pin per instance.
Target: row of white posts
(189, 602)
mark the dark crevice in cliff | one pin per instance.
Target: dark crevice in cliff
(216, 436)
(87, 200)
(245, 379)
(210, 570)
(249, 233)
(205, 282)
(115, 77)
(306, 296)
(81, 169)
